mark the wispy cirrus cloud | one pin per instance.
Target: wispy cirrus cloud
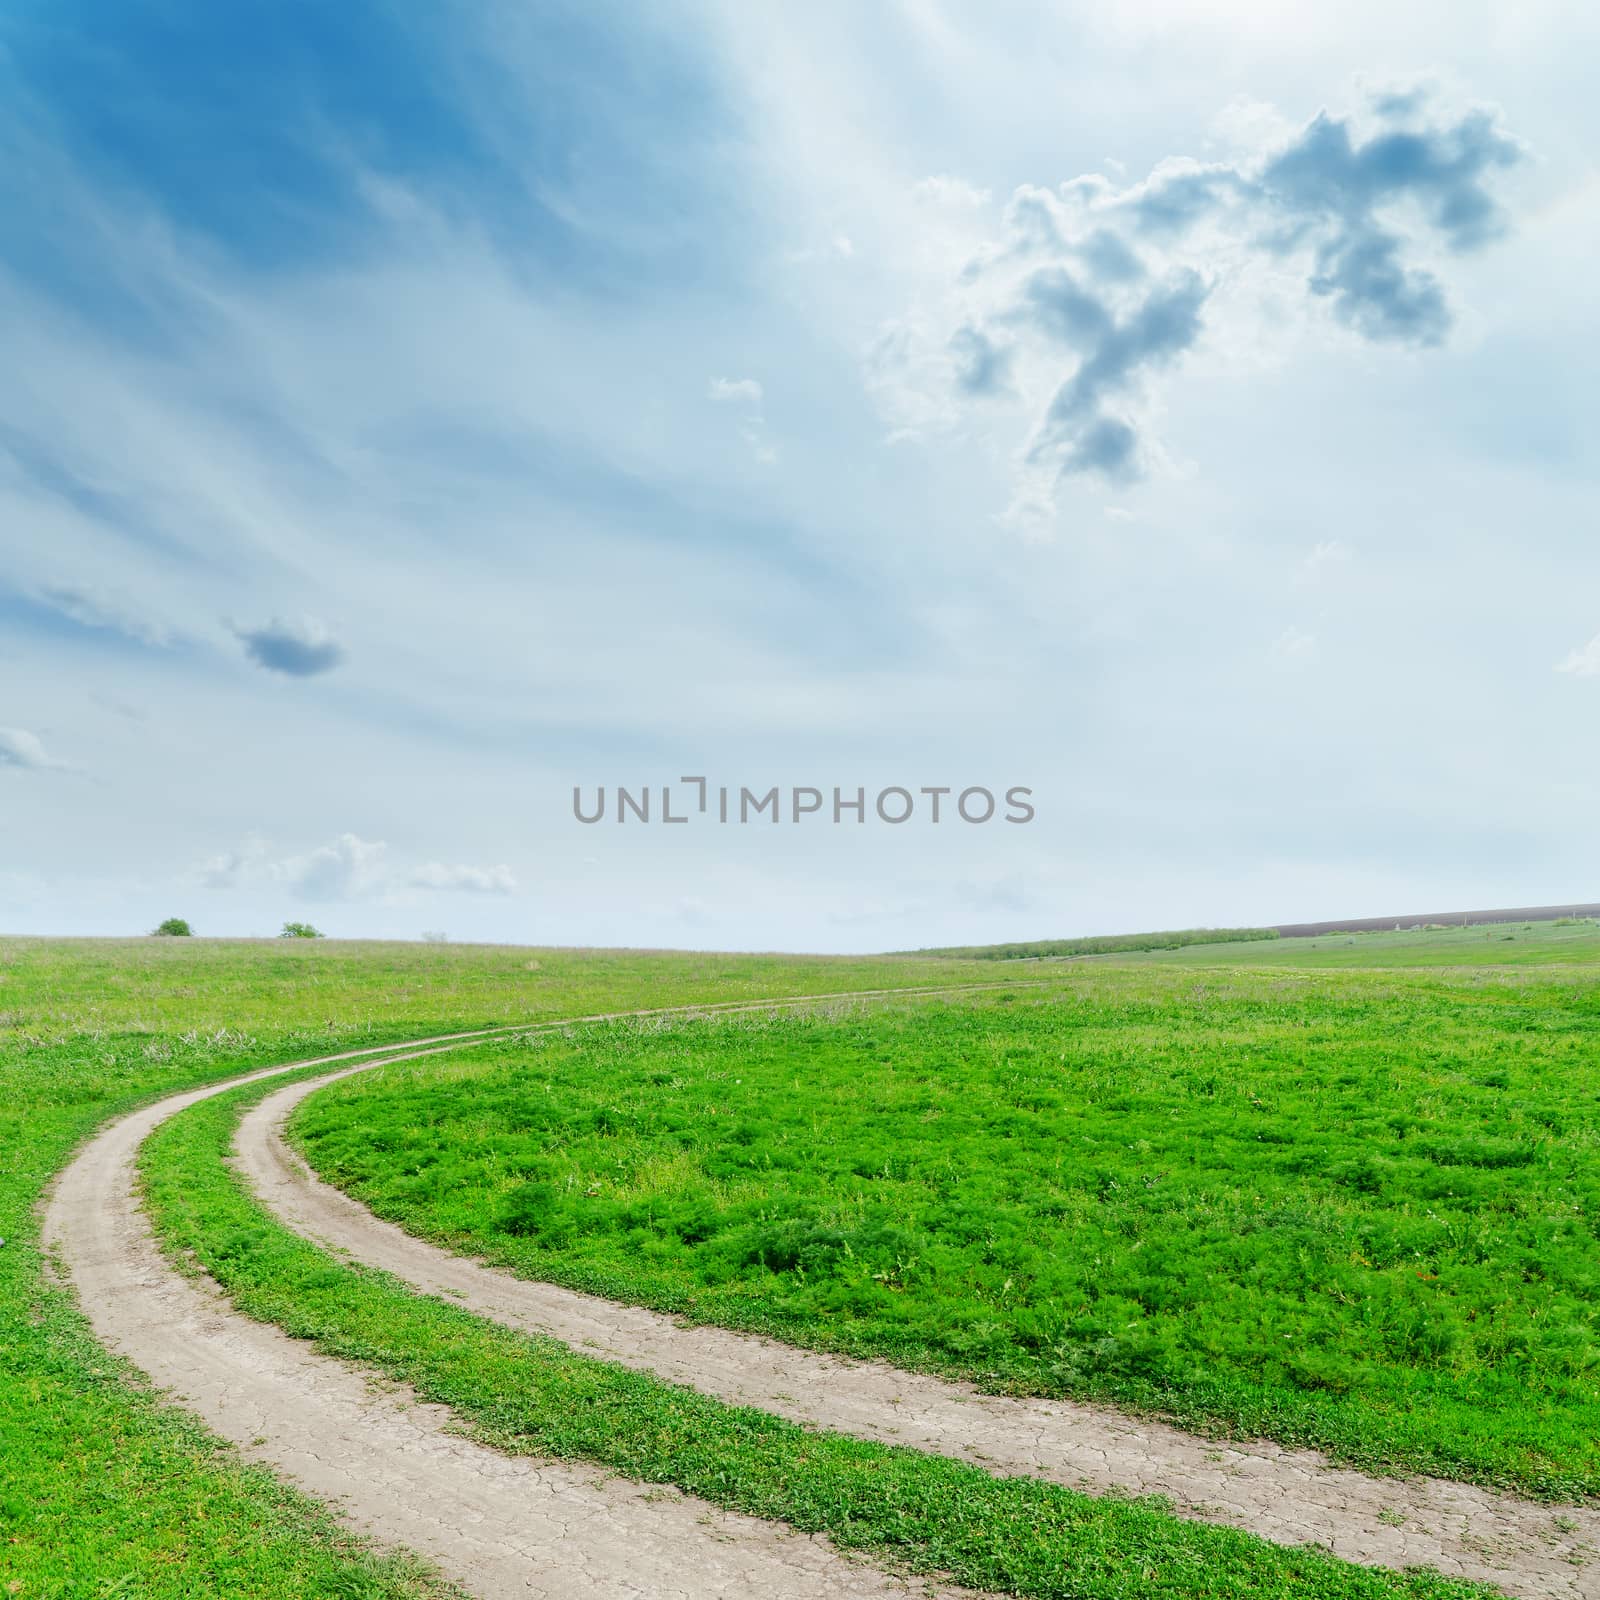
(1584, 662)
(92, 607)
(1326, 557)
(748, 398)
(24, 750)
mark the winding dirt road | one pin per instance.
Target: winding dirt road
(504, 1526)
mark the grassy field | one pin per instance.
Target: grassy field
(102, 1491)
(1179, 1093)
(1355, 1209)
(532, 1396)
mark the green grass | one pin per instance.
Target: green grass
(1356, 1210)
(103, 1491)
(535, 1396)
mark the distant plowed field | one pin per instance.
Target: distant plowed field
(1437, 919)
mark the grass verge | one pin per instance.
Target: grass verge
(533, 1396)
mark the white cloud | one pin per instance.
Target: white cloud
(462, 879)
(93, 607)
(1326, 557)
(19, 748)
(1294, 646)
(1583, 662)
(741, 391)
(945, 189)
(234, 867)
(1056, 334)
(1246, 124)
(841, 247)
(347, 868)
(747, 394)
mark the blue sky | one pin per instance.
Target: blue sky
(416, 411)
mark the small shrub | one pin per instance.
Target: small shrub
(300, 930)
(172, 928)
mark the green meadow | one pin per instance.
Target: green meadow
(1356, 1209)
(1270, 1187)
(534, 1396)
(102, 1490)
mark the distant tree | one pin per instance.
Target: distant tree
(300, 930)
(172, 928)
(435, 936)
